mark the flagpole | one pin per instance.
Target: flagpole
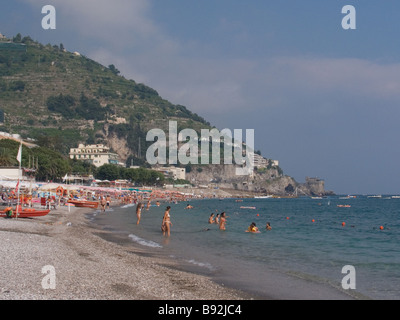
(19, 158)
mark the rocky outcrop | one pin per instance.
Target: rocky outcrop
(269, 181)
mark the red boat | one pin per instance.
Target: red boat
(84, 203)
(25, 213)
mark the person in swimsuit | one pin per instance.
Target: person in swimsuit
(103, 203)
(139, 211)
(166, 223)
(222, 221)
(216, 221)
(211, 219)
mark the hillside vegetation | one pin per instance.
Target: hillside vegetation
(61, 98)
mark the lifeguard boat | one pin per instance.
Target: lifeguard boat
(23, 213)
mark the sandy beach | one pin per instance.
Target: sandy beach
(87, 267)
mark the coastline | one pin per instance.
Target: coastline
(88, 267)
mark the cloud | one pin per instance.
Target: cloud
(355, 77)
(123, 32)
(118, 23)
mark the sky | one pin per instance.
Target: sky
(323, 100)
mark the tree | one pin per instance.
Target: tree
(17, 85)
(113, 69)
(108, 172)
(52, 165)
(17, 38)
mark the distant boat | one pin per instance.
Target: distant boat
(395, 197)
(262, 197)
(247, 207)
(348, 197)
(316, 197)
(376, 196)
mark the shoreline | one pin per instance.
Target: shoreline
(89, 267)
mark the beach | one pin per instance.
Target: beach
(97, 255)
(87, 267)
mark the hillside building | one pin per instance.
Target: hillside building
(97, 154)
(261, 162)
(174, 173)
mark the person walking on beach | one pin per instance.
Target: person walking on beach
(139, 211)
(166, 223)
(108, 199)
(103, 204)
(222, 221)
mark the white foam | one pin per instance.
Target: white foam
(202, 264)
(144, 242)
(128, 205)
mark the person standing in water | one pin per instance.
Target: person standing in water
(103, 203)
(222, 221)
(166, 223)
(211, 219)
(139, 211)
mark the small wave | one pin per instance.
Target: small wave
(128, 205)
(202, 264)
(144, 242)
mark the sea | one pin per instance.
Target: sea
(338, 247)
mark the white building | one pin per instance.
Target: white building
(172, 172)
(97, 154)
(261, 162)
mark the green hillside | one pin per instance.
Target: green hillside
(61, 98)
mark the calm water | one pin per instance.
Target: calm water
(298, 258)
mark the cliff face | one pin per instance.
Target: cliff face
(267, 182)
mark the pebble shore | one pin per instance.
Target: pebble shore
(87, 267)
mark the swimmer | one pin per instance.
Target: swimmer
(252, 228)
(211, 219)
(222, 221)
(189, 206)
(268, 226)
(166, 223)
(216, 221)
